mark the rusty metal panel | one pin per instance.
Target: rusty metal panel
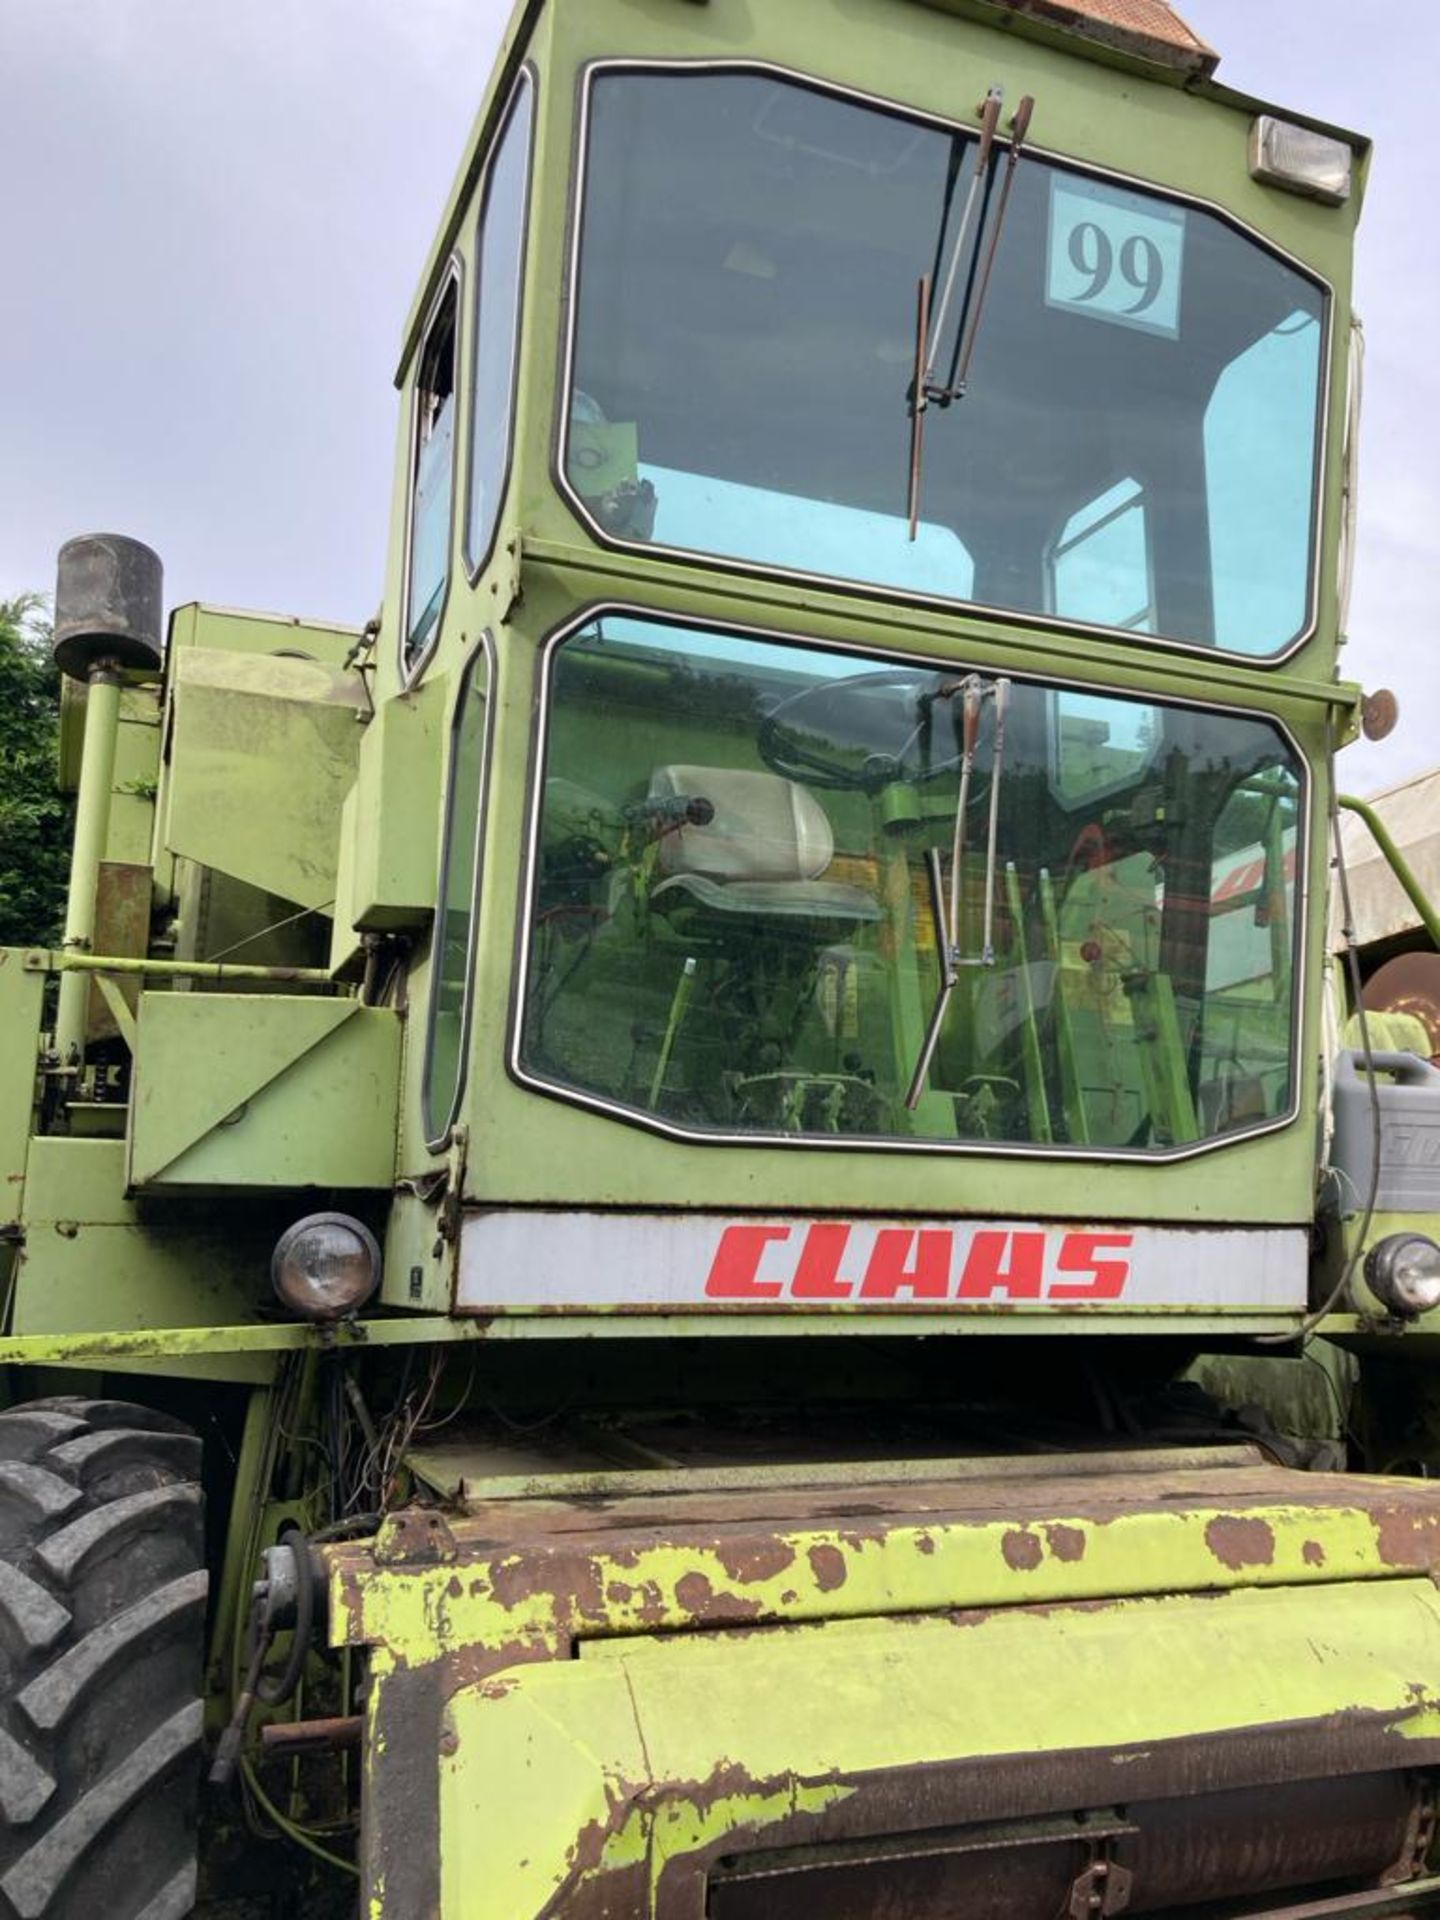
(1151, 29)
(122, 929)
(499, 1614)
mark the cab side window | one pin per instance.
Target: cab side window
(447, 1037)
(500, 259)
(432, 479)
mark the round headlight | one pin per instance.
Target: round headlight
(325, 1266)
(1403, 1272)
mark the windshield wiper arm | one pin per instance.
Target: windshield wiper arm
(989, 122)
(929, 332)
(970, 324)
(928, 336)
(946, 914)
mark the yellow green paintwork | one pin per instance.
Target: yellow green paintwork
(292, 1094)
(389, 863)
(630, 1746)
(94, 1270)
(421, 1613)
(20, 994)
(263, 752)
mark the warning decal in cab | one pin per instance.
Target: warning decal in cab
(523, 1261)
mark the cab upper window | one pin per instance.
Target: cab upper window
(432, 479)
(1145, 376)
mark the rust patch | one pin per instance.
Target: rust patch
(618, 1594)
(858, 1537)
(1023, 1551)
(572, 1584)
(924, 1543)
(695, 1594)
(1066, 1543)
(650, 1606)
(750, 1560)
(1407, 1537)
(1237, 1542)
(1313, 1553)
(827, 1563)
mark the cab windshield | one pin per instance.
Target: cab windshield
(747, 857)
(1137, 445)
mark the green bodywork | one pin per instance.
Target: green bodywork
(638, 1670)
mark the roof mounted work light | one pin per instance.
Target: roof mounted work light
(1299, 160)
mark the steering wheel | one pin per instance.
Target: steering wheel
(862, 734)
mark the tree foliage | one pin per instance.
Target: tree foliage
(34, 818)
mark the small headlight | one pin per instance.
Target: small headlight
(325, 1266)
(1300, 160)
(1403, 1272)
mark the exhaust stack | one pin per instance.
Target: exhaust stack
(109, 602)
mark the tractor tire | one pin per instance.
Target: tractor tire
(102, 1609)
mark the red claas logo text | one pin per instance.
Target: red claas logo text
(835, 1260)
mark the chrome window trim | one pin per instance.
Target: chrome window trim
(452, 279)
(867, 1143)
(750, 569)
(484, 649)
(526, 82)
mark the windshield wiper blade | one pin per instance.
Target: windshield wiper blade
(917, 404)
(946, 913)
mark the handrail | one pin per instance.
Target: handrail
(52, 961)
(1396, 861)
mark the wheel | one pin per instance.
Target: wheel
(102, 1606)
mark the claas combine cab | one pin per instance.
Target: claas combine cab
(726, 1143)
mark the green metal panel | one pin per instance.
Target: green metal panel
(263, 1091)
(567, 1774)
(20, 1000)
(346, 945)
(263, 750)
(96, 1265)
(396, 825)
(235, 630)
(935, 1626)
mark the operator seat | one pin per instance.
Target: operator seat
(761, 855)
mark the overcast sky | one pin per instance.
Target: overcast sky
(213, 216)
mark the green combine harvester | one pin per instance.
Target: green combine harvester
(695, 1231)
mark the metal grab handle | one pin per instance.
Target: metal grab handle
(1408, 1068)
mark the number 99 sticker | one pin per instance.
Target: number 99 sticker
(1114, 255)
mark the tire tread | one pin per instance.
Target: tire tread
(102, 1608)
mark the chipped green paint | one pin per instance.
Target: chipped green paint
(621, 1779)
(535, 1599)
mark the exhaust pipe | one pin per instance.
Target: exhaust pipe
(109, 600)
